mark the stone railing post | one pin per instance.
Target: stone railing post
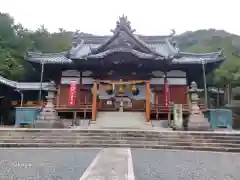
(196, 119)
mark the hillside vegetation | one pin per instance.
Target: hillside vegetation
(15, 41)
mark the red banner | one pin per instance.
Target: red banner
(72, 92)
(166, 94)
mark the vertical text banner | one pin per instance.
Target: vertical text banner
(72, 92)
(166, 94)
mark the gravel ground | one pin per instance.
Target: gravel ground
(185, 165)
(40, 164)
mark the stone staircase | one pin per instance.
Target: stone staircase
(86, 138)
(121, 120)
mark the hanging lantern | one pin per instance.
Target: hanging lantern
(134, 88)
(109, 89)
(121, 90)
(135, 93)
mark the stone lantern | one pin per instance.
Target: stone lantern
(48, 117)
(196, 119)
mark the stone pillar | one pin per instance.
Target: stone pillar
(196, 119)
(121, 105)
(177, 122)
(48, 116)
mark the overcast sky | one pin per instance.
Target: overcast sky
(150, 17)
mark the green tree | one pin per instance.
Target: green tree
(15, 41)
(11, 48)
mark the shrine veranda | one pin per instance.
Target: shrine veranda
(120, 72)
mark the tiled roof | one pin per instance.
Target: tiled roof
(162, 48)
(182, 58)
(125, 40)
(84, 50)
(123, 37)
(199, 58)
(48, 58)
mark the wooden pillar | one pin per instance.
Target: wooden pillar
(148, 101)
(94, 101)
(79, 90)
(58, 94)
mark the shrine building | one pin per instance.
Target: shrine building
(123, 72)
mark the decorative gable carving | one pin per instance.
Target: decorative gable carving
(121, 41)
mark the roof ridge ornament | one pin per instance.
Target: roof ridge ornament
(172, 44)
(75, 39)
(221, 51)
(123, 23)
(172, 33)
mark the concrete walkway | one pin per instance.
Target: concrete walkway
(111, 163)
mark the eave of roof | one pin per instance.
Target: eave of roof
(199, 58)
(24, 85)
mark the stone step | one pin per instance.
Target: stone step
(153, 143)
(89, 138)
(135, 131)
(222, 141)
(121, 120)
(191, 139)
(147, 138)
(125, 134)
(91, 145)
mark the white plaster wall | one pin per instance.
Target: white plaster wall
(87, 80)
(70, 73)
(67, 80)
(171, 81)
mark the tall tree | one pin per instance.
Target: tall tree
(12, 48)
